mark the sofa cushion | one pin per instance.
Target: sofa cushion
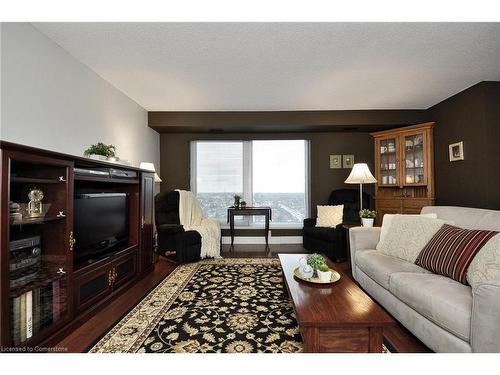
(408, 235)
(451, 250)
(387, 222)
(485, 267)
(440, 299)
(380, 267)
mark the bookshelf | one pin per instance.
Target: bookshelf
(44, 294)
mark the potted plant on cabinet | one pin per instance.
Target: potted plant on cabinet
(367, 217)
(107, 152)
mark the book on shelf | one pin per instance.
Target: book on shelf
(16, 330)
(29, 314)
(22, 319)
(35, 310)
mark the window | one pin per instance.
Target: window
(265, 173)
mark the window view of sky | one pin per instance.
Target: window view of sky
(275, 170)
(278, 166)
(219, 167)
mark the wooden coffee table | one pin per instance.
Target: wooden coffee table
(334, 318)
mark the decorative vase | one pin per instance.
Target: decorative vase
(367, 222)
(324, 276)
(306, 271)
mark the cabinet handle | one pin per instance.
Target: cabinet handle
(61, 179)
(71, 241)
(61, 271)
(142, 222)
(61, 214)
(110, 278)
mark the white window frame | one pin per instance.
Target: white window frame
(246, 223)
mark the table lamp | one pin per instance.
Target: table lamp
(150, 167)
(360, 174)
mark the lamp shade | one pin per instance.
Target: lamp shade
(360, 174)
(150, 167)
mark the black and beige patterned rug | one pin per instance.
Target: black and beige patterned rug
(213, 306)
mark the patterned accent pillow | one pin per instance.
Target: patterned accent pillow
(485, 267)
(408, 235)
(330, 216)
(451, 251)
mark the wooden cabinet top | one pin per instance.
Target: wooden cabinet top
(406, 129)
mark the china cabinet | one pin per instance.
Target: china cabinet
(404, 169)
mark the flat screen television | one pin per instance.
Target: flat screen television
(100, 224)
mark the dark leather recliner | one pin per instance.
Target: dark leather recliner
(171, 235)
(332, 241)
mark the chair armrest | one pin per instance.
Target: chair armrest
(361, 238)
(169, 229)
(311, 222)
(485, 321)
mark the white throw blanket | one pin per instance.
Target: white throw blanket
(191, 218)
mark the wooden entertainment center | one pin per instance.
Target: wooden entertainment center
(37, 308)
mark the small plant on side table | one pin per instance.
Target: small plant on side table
(367, 217)
(237, 199)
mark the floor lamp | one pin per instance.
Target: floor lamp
(360, 174)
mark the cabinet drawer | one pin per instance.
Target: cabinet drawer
(389, 203)
(416, 203)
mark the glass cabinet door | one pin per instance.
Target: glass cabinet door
(39, 249)
(414, 160)
(388, 162)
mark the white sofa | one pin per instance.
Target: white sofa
(445, 315)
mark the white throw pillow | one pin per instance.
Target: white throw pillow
(408, 235)
(387, 221)
(485, 266)
(330, 216)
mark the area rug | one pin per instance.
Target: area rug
(212, 306)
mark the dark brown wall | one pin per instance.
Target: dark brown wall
(175, 158)
(471, 116)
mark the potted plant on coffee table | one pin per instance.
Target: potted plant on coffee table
(367, 217)
(324, 272)
(315, 261)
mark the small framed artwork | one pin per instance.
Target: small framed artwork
(335, 161)
(456, 151)
(348, 161)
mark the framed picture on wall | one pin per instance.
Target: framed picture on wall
(335, 161)
(348, 161)
(456, 151)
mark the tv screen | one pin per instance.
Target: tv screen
(100, 223)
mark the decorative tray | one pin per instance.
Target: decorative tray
(335, 277)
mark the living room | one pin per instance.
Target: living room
(259, 186)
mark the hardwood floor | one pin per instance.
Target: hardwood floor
(397, 338)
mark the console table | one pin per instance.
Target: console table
(249, 211)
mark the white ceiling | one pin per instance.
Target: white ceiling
(284, 66)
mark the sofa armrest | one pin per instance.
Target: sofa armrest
(361, 238)
(169, 229)
(485, 322)
(311, 222)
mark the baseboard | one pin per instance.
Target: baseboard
(260, 240)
